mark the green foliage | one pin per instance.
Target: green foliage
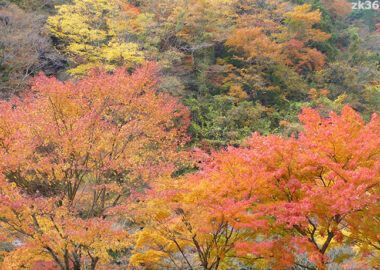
(222, 120)
(369, 17)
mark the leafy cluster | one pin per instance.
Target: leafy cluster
(272, 201)
(189, 134)
(221, 57)
(71, 151)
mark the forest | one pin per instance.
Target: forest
(189, 134)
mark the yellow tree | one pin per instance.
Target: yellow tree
(181, 230)
(97, 32)
(300, 24)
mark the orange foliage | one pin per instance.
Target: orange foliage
(273, 199)
(338, 7)
(72, 151)
(266, 41)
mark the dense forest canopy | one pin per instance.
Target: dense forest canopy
(189, 134)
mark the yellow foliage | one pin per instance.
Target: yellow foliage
(300, 24)
(255, 44)
(96, 32)
(340, 99)
(237, 91)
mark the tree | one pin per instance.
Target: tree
(97, 32)
(38, 5)
(71, 152)
(272, 200)
(114, 33)
(338, 7)
(300, 31)
(273, 36)
(24, 49)
(270, 44)
(300, 24)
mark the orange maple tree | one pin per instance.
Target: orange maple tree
(272, 201)
(72, 151)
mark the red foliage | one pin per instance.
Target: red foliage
(283, 197)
